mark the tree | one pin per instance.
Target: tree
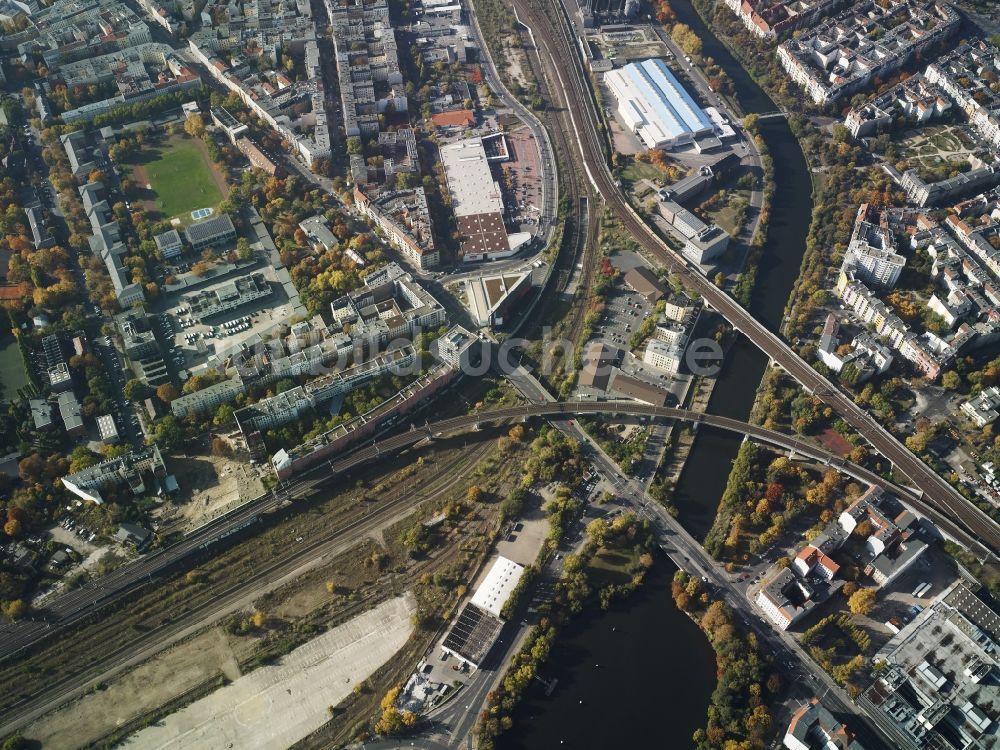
(135, 390)
(474, 494)
(15, 610)
(224, 415)
(862, 601)
(597, 531)
(243, 249)
(168, 433)
(12, 527)
(167, 392)
(951, 380)
(259, 619)
(194, 125)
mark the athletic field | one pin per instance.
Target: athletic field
(181, 178)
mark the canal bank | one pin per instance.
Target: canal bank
(638, 675)
(707, 468)
(653, 686)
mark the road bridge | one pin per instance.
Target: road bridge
(556, 40)
(75, 606)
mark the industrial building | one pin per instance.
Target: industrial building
(654, 105)
(478, 625)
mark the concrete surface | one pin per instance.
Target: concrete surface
(275, 706)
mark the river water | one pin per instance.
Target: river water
(639, 675)
(656, 670)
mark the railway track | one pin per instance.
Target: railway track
(215, 602)
(556, 40)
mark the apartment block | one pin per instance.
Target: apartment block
(842, 55)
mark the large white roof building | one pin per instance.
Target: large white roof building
(653, 104)
(470, 181)
(496, 588)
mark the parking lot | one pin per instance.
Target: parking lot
(522, 180)
(624, 312)
(191, 343)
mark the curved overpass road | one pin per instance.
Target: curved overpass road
(75, 606)
(556, 40)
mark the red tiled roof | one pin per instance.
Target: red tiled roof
(457, 118)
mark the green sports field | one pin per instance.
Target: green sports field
(181, 177)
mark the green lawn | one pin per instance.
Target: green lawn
(182, 179)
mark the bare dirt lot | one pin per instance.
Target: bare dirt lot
(207, 656)
(209, 486)
(275, 706)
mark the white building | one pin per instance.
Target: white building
(982, 409)
(496, 588)
(663, 355)
(653, 105)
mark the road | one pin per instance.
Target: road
(688, 554)
(76, 605)
(555, 40)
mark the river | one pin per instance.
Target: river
(702, 483)
(638, 675)
(656, 669)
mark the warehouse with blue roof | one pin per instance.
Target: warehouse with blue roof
(654, 105)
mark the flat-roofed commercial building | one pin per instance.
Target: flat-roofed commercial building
(654, 105)
(476, 200)
(227, 296)
(211, 233)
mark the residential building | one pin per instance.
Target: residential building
(390, 305)
(292, 404)
(127, 469)
(812, 560)
(983, 408)
(106, 243)
(813, 727)
(459, 348)
(228, 295)
(769, 19)
(892, 545)
(258, 158)
(871, 39)
(207, 399)
(294, 109)
(403, 216)
(916, 97)
(871, 254)
(785, 599)
(968, 74)
(922, 193)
